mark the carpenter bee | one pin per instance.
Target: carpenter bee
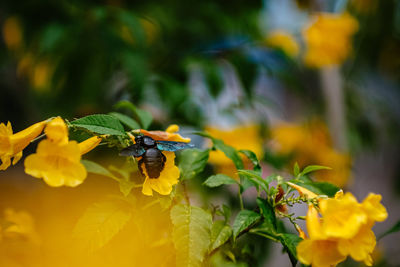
(150, 151)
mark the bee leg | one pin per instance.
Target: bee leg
(140, 166)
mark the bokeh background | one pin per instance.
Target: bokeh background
(307, 81)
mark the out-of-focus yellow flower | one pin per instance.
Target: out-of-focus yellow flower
(284, 41)
(328, 39)
(41, 75)
(20, 223)
(11, 145)
(168, 177)
(57, 131)
(242, 137)
(57, 164)
(169, 135)
(345, 226)
(12, 33)
(311, 144)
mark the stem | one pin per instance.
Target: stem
(240, 199)
(332, 89)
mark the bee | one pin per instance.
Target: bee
(150, 151)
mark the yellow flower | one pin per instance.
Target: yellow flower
(20, 223)
(342, 217)
(11, 145)
(89, 144)
(317, 250)
(328, 39)
(12, 33)
(57, 164)
(242, 137)
(168, 177)
(303, 191)
(284, 41)
(57, 131)
(345, 225)
(169, 135)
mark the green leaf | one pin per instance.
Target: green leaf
(100, 223)
(126, 186)
(255, 178)
(230, 152)
(128, 121)
(290, 242)
(100, 124)
(395, 228)
(191, 234)
(220, 233)
(192, 162)
(321, 188)
(296, 169)
(313, 168)
(253, 158)
(143, 116)
(95, 168)
(219, 179)
(268, 213)
(243, 220)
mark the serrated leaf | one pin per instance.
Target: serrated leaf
(321, 188)
(100, 223)
(253, 158)
(220, 233)
(395, 228)
(143, 116)
(100, 124)
(192, 162)
(313, 168)
(95, 168)
(290, 242)
(218, 180)
(128, 121)
(191, 234)
(230, 152)
(243, 220)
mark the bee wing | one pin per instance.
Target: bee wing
(133, 150)
(172, 146)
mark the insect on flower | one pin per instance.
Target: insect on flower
(150, 152)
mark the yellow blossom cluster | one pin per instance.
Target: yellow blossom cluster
(310, 144)
(328, 39)
(344, 229)
(57, 160)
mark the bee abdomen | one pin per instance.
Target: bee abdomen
(154, 162)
